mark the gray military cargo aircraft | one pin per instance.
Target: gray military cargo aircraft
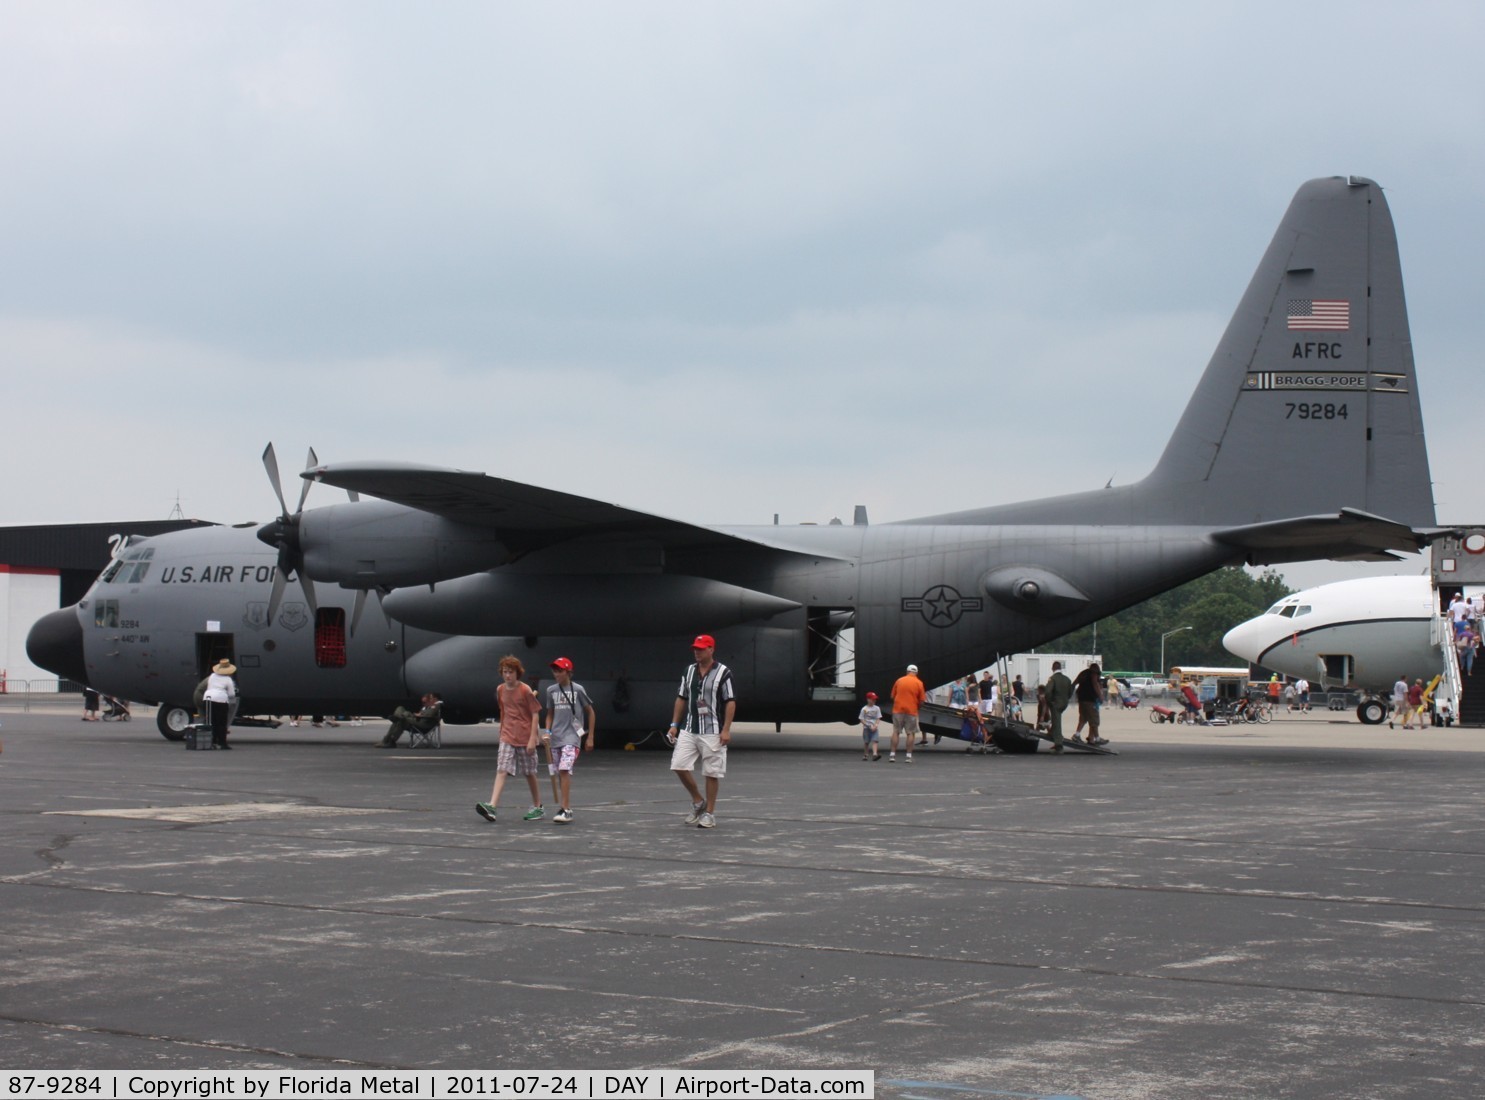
(1304, 440)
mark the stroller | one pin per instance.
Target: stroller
(1125, 700)
(974, 731)
(115, 710)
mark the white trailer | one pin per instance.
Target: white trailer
(1033, 668)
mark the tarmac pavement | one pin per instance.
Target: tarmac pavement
(1289, 910)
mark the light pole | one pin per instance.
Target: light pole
(1163, 670)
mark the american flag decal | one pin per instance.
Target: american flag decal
(1319, 315)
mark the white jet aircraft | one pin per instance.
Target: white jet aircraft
(1360, 634)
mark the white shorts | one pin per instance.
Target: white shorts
(690, 747)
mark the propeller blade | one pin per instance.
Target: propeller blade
(309, 591)
(270, 463)
(310, 462)
(277, 595)
(357, 608)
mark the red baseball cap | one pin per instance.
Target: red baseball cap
(563, 663)
(871, 695)
(704, 641)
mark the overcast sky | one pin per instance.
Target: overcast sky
(712, 260)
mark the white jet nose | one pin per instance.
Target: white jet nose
(1247, 640)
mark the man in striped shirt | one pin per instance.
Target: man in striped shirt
(707, 702)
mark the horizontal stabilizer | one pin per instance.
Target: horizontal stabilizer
(1349, 536)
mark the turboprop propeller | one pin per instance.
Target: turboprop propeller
(283, 534)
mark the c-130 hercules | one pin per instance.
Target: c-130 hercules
(1303, 440)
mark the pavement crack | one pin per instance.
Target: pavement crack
(51, 854)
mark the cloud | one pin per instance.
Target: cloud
(803, 255)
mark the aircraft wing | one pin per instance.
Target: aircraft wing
(1350, 535)
(525, 516)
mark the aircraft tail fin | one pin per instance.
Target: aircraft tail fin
(1310, 403)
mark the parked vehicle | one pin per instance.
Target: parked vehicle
(1149, 687)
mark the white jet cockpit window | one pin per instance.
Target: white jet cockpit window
(1282, 608)
(1302, 609)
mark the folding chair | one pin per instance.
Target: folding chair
(430, 738)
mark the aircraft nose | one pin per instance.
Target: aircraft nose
(55, 643)
(1246, 640)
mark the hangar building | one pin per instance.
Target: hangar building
(46, 567)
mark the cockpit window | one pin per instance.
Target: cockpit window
(130, 567)
(1287, 610)
(1302, 609)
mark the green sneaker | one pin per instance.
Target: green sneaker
(535, 812)
(485, 810)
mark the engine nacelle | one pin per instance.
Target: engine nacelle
(600, 605)
(377, 544)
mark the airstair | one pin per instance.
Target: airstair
(1451, 687)
(1467, 692)
(1457, 561)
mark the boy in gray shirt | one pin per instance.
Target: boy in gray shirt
(568, 719)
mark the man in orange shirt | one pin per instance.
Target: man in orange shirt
(908, 694)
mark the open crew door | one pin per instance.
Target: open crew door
(1338, 669)
(211, 647)
(830, 635)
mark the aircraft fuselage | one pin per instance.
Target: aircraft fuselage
(872, 599)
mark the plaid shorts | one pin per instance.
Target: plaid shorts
(516, 760)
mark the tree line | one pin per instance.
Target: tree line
(1210, 605)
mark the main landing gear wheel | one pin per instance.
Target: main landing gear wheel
(1372, 712)
(173, 720)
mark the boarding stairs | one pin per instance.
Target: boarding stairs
(1469, 705)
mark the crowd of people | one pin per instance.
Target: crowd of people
(979, 702)
(1413, 703)
(1466, 615)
